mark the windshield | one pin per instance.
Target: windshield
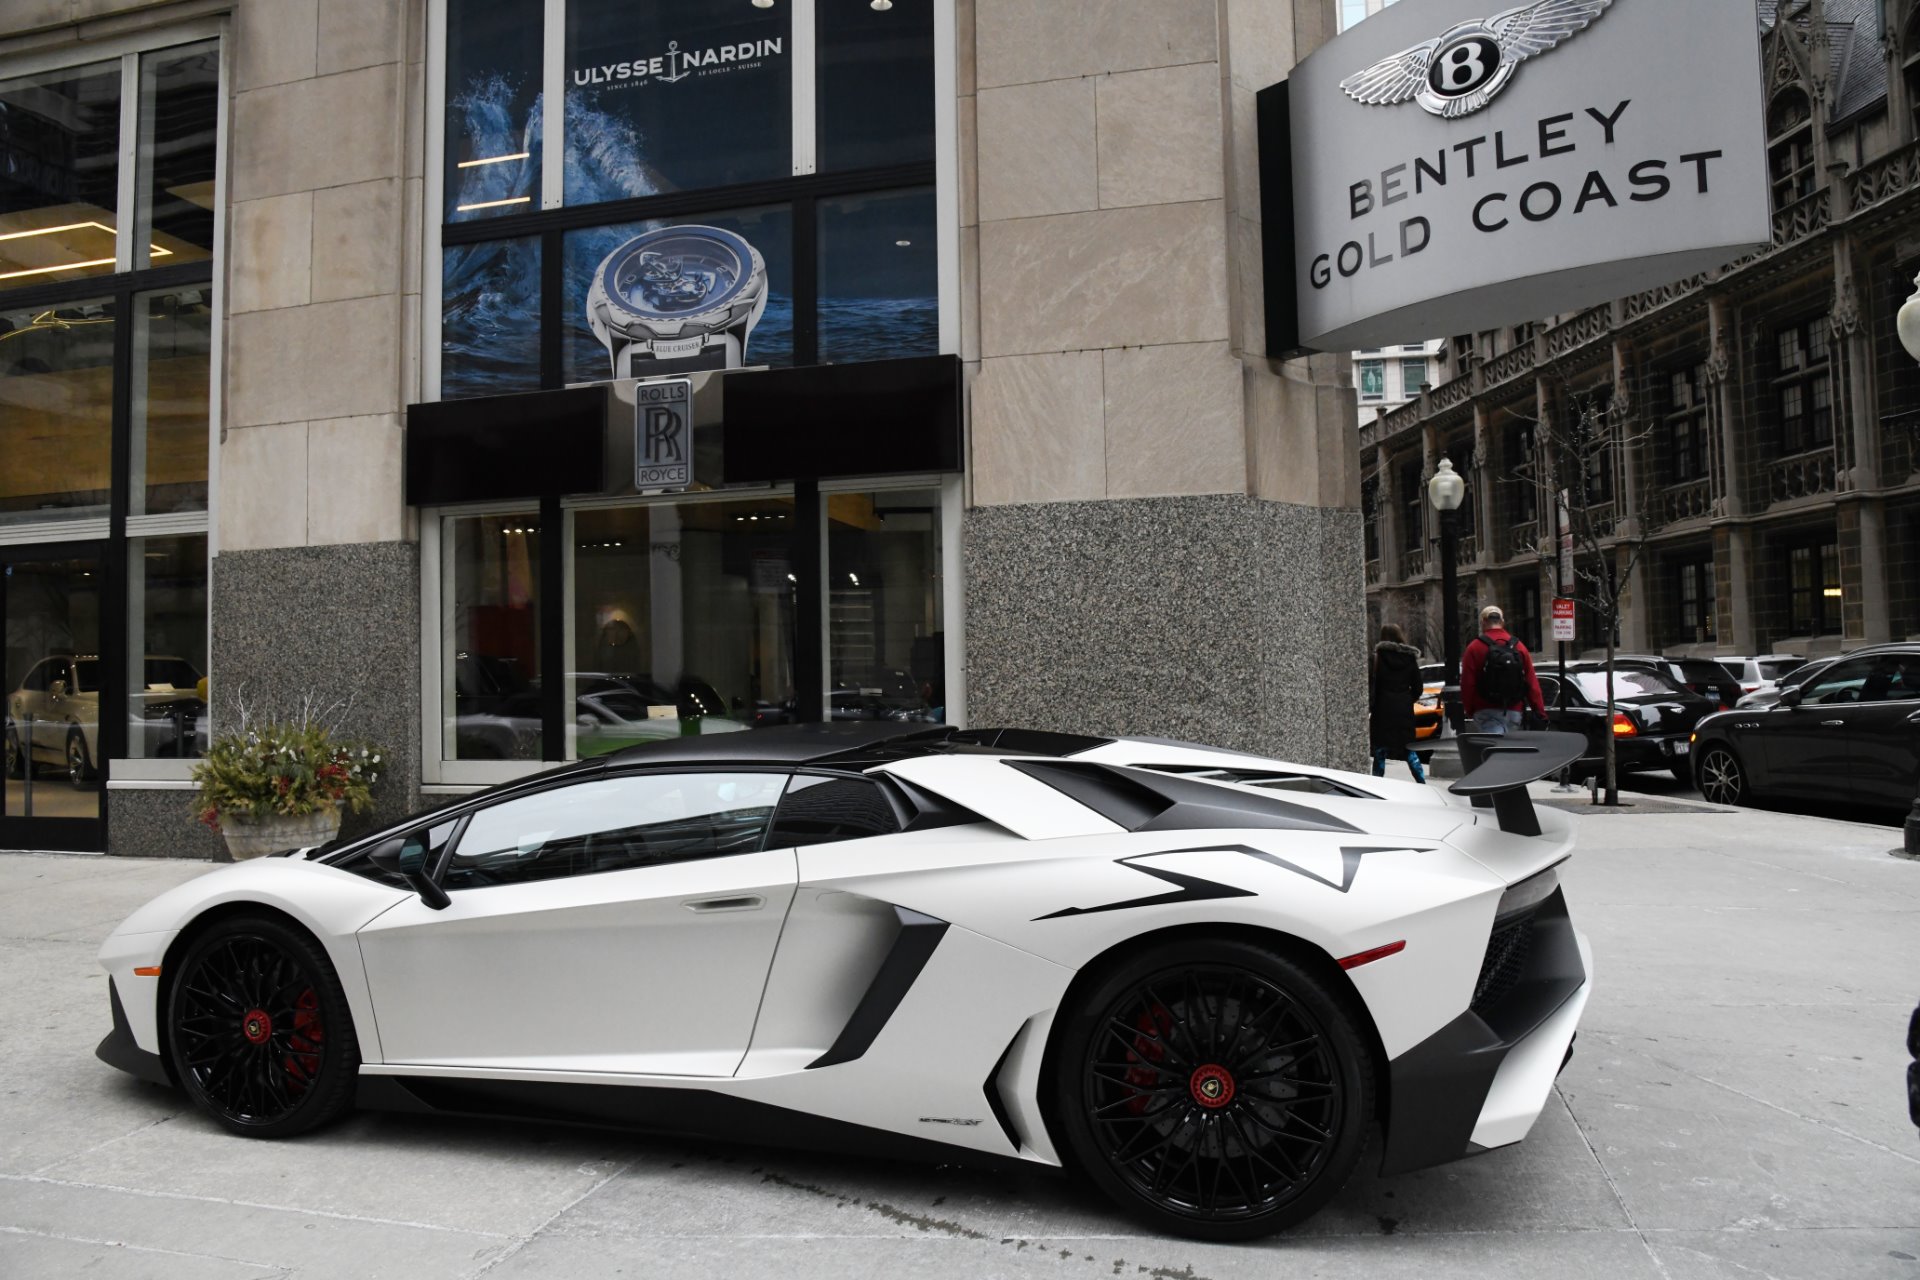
(1628, 682)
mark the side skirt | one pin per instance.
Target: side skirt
(668, 1112)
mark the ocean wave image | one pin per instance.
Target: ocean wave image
(855, 329)
(490, 319)
(485, 116)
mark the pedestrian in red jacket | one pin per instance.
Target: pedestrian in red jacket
(1497, 683)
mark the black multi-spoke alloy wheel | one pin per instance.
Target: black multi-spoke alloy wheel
(1215, 1089)
(259, 1030)
(1722, 778)
(79, 767)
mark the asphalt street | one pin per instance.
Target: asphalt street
(1735, 1108)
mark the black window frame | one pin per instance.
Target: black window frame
(1810, 425)
(1694, 597)
(1823, 614)
(1685, 422)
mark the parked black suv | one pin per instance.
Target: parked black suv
(1850, 735)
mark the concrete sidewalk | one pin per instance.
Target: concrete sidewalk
(1735, 1108)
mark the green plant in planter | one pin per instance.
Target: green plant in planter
(283, 771)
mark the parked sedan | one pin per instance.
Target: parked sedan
(1703, 676)
(1850, 735)
(1651, 725)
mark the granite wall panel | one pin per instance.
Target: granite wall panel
(341, 623)
(159, 824)
(1219, 619)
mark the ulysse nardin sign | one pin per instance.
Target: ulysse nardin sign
(1447, 169)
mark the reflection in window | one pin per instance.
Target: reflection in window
(615, 824)
(179, 116)
(682, 621)
(879, 277)
(491, 658)
(886, 637)
(59, 185)
(172, 345)
(493, 108)
(53, 675)
(675, 95)
(490, 308)
(648, 298)
(56, 411)
(167, 647)
(875, 95)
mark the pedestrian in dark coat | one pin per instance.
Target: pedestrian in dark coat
(1395, 687)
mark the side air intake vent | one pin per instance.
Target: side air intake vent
(1137, 800)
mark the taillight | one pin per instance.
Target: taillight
(1725, 707)
(1623, 726)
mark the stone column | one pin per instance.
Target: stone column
(1165, 534)
(315, 575)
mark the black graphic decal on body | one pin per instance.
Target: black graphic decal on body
(1195, 889)
(1189, 889)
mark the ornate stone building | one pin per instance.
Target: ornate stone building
(1761, 484)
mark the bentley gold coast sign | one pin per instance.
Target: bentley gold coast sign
(1449, 165)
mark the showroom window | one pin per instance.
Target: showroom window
(716, 188)
(679, 616)
(108, 322)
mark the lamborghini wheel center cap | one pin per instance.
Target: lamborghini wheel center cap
(256, 1026)
(1212, 1086)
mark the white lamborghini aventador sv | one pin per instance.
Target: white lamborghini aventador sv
(1198, 978)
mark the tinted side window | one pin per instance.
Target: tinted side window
(1841, 682)
(1895, 678)
(615, 824)
(821, 810)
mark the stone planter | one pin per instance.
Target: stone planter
(256, 838)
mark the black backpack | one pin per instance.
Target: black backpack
(1502, 678)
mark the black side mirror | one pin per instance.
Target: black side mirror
(406, 857)
(1793, 696)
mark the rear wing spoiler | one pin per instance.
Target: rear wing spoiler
(1499, 767)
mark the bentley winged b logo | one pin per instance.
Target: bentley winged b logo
(1461, 71)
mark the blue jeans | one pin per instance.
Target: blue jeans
(1488, 720)
(1413, 762)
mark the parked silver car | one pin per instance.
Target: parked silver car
(54, 716)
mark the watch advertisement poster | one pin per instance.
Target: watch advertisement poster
(676, 95)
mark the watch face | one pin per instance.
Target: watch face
(678, 272)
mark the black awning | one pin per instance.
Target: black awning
(538, 444)
(876, 418)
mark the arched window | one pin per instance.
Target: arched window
(1790, 147)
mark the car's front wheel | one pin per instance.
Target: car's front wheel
(259, 1030)
(79, 767)
(1215, 1089)
(16, 757)
(1722, 778)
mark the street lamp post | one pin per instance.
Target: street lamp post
(1446, 491)
(1908, 322)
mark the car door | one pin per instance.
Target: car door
(1883, 733)
(1805, 746)
(621, 923)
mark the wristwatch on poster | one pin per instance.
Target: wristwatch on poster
(677, 298)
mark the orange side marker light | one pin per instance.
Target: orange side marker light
(147, 971)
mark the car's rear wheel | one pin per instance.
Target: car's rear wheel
(1215, 1089)
(1722, 778)
(259, 1030)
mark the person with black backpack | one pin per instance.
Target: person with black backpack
(1497, 683)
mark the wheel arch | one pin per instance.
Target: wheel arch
(1313, 959)
(177, 949)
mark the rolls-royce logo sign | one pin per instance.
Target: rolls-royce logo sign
(1459, 72)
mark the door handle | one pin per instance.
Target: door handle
(713, 906)
(1914, 718)
(1833, 724)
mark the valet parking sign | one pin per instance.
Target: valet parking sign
(1455, 166)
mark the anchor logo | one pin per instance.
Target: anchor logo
(674, 61)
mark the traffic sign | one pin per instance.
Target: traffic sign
(1562, 620)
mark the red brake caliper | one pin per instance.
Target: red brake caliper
(1147, 1048)
(303, 1062)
